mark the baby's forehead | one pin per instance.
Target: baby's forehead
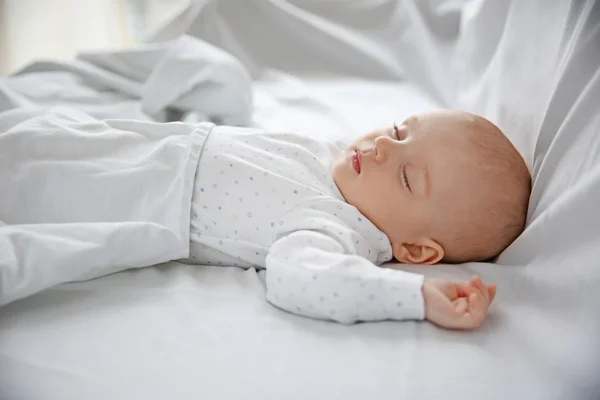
(450, 145)
(470, 137)
(457, 165)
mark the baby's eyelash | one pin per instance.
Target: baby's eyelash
(396, 130)
(404, 177)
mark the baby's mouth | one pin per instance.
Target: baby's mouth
(356, 161)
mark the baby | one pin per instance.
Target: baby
(442, 186)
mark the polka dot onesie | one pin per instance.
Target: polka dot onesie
(268, 200)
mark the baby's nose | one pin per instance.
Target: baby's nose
(382, 147)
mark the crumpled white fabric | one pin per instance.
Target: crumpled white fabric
(85, 198)
(175, 80)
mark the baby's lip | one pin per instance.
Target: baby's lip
(356, 161)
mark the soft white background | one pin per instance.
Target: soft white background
(31, 29)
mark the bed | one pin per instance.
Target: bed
(335, 69)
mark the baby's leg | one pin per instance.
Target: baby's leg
(82, 198)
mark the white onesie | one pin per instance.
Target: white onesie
(269, 200)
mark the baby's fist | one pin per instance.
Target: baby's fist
(457, 305)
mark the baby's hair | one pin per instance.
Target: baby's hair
(497, 210)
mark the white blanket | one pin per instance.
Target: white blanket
(533, 67)
(89, 198)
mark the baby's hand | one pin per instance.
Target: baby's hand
(457, 305)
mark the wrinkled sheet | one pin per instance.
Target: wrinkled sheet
(333, 68)
(184, 79)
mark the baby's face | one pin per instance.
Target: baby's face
(404, 177)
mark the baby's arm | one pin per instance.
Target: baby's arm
(309, 274)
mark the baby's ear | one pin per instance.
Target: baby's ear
(424, 251)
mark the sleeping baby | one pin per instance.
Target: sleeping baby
(320, 217)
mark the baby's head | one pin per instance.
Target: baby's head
(443, 186)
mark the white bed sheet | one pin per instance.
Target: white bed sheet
(188, 332)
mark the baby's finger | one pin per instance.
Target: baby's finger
(465, 289)
(476, 313)
(481, 287)
(460, 305)
(492, 292)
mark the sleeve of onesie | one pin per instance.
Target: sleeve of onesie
(310, 273)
